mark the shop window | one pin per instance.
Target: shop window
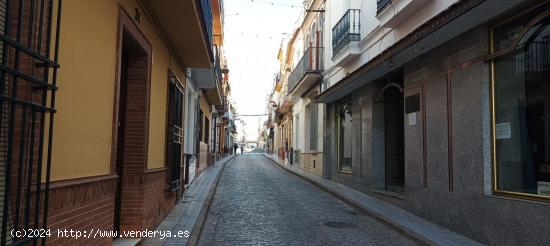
(344, 132)
(508, 32)
(521, 94)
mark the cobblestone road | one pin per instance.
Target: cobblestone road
(258, 203)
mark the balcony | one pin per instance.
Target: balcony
(286, 105)
(307, 73)
(346, 35)
(218, 21)
(194, 45)
(207, 18)
(346, 30)
(210, 79)
(381, 4)
(392, 13)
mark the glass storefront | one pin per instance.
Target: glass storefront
(344, 136)
(521, 90)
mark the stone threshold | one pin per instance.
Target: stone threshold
(404, 221)
(126, 241)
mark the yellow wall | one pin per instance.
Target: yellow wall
(83, 124)
(159, 85)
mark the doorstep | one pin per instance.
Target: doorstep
(405, 221)
(126, 241)
(189, 213)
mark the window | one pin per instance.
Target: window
(313, 126)
(344, 132)
(174, 145)
(201, 127)
(206, 130)
(297, 130)
(521, 102)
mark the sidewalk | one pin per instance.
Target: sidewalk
(190, 212)
(403, 220)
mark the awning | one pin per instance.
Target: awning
(452, 22)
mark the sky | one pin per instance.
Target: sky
(253, 32)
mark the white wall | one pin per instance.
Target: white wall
(320, 126)
(191, 97)
(374, 38)
(302, 135)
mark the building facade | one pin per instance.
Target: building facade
(306, 55)
(280, 105)
(441, 107)
(123, 118)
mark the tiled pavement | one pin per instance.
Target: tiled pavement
(189, 212)
(257, 203)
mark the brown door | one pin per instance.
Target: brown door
(394, 139)
(121, 136)
(132, 129)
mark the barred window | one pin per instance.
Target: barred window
(344, 132)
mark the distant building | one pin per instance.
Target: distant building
(307, 67)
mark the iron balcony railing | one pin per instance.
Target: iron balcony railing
(206, 10)
(218, 75)
(381, 4)
(346, 30)
(311, 62)
(218, 71)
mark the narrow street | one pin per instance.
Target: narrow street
(258, 203)
(274, 122)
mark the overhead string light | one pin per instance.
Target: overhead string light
(256, 35)
(274, 3)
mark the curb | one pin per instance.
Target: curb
(203, 215)
(419, 238)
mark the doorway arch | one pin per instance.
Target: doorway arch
(392, 100)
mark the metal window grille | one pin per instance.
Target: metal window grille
(381, 4)
(28, 73)
(175, 132)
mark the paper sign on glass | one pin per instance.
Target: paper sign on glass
(543, 188)
(412, 119)
(503, 130)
